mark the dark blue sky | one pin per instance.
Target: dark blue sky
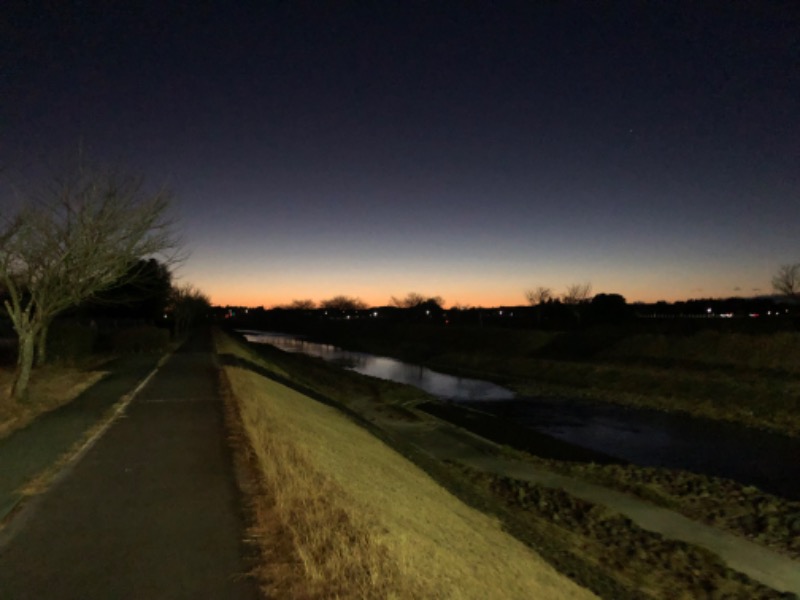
(466, 149)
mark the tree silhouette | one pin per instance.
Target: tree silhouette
(787, 281)
(577, 293)
(188, 304)
(343, 303)
(301, 305)
(539, 296)
(414, 300)
(608, 308)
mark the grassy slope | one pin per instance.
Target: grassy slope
(362, 520)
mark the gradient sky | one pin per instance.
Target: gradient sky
(470, 150)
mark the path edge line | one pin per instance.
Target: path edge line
(72, 456)
(118, 408)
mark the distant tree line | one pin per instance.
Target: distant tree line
(574, 308)
(342, 304)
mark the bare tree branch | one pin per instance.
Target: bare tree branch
(343, 303)
(539, 296)
(787, 281)
(301, 305)
(413, 300)
(577, 293)
(76, 237)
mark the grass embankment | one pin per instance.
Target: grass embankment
(51, 387)
(601, 549)
(340, 514)
(749, 379)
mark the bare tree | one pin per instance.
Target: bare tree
(539, 296)
(577, 293)
(301, 305)
(787, 281)
(70, 241)
(413, 300)
(343, 303)
(188, 304)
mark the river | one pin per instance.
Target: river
(640, 436)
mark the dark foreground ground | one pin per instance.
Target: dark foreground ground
(151, 511)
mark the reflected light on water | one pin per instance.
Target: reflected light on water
(437, 384)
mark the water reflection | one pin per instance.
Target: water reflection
(644, 437)
(440, 385)
(658, 439)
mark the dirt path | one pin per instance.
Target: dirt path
(151, 510)
(446, 442)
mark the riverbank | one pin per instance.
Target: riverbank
(744, 510)
(753, 380)
(392, 407)
(352, 517)
(739, 509)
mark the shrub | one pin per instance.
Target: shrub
(142, 338)
(70, 342)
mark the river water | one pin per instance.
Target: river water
(640, 436)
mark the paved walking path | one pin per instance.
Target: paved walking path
(29, 451)
(150, 511)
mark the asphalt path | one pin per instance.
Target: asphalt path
(28, 452)
(150, 511)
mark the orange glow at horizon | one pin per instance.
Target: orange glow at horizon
(498, 283)
(485, 299)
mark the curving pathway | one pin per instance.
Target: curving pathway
(771, 568)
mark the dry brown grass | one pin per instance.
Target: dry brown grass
(358, 520)
(51, 386)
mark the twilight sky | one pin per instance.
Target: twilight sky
(470, 150)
